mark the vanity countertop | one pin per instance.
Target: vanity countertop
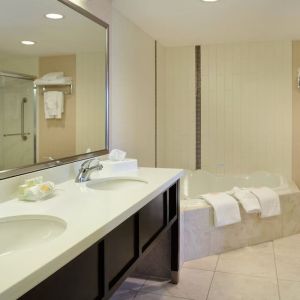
(90, 215)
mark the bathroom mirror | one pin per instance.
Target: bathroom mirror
(53, 85)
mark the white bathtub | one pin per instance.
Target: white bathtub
(200, 238)
(199, 182)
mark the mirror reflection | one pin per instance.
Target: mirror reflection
(53, 79)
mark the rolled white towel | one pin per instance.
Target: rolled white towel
(268, 200)
(247, 199)
(226, 209)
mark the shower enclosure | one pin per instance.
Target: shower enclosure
(17, 121)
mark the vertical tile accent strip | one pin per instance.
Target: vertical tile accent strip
(198, 106)
(155, 54)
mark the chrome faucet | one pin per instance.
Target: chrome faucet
(86, 170)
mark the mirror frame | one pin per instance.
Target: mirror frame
(75, 158)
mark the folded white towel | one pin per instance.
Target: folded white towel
(53, 104)
(247, 199)
(226, 208)
(53, 76)
(268, 200)
(59, 81)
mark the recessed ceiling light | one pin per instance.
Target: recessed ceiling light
(210, 0)
(54, 16)
(28, 43)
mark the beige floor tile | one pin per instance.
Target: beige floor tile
(289, 290)
(124, 295)
(149, 296)
(208, 263)
(255, 261)
(129, 289)
(289, 246)
(288, 267)
(240, 287)
(193, 284)
(133, 284)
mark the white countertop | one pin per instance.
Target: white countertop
(89, 214)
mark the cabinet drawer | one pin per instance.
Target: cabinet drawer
(152, 219)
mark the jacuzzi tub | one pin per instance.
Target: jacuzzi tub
(200, 238)
(200, 182)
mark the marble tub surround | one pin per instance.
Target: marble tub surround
(267, 271)
(89, 214)
(201, 238)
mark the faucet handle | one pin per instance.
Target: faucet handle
(87, 163)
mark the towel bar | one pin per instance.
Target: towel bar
(44, 89)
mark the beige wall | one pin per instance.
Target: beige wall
(161, 105)
(90, 101)
(176, 126)
(296, 113)
(57, 138)
(20, 64)
(132, 101)
(132, 91)
(100, 8)
(247, 108)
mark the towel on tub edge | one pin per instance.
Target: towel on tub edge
(247, 199)
(268, 200)
(226, 208)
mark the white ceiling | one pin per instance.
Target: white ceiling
(190, 22)
(24, 20)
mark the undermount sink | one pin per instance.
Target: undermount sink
(116, 183)
(27, 231)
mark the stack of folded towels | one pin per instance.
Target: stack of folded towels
(54, 78)
(53, 100)
(263, 201)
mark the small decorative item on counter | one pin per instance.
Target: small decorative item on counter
(35, 189)
(34, 181)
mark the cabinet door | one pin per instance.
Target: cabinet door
(78, 280)
(152, 219)
(120, 250)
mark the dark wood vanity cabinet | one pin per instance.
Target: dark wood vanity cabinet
(100, 270)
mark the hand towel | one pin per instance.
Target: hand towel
(53, 104)
(226, 209)
(247, 199)
(269, 201)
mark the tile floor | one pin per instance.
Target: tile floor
(268, 271)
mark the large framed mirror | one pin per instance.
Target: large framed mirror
(53, 85)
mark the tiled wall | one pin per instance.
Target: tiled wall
(177, 124)
(247, 107)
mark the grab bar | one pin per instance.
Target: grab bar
(23, 134)
(15, 134)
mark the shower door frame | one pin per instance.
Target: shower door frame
(34, 100)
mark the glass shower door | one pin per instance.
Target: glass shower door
(17, 122)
